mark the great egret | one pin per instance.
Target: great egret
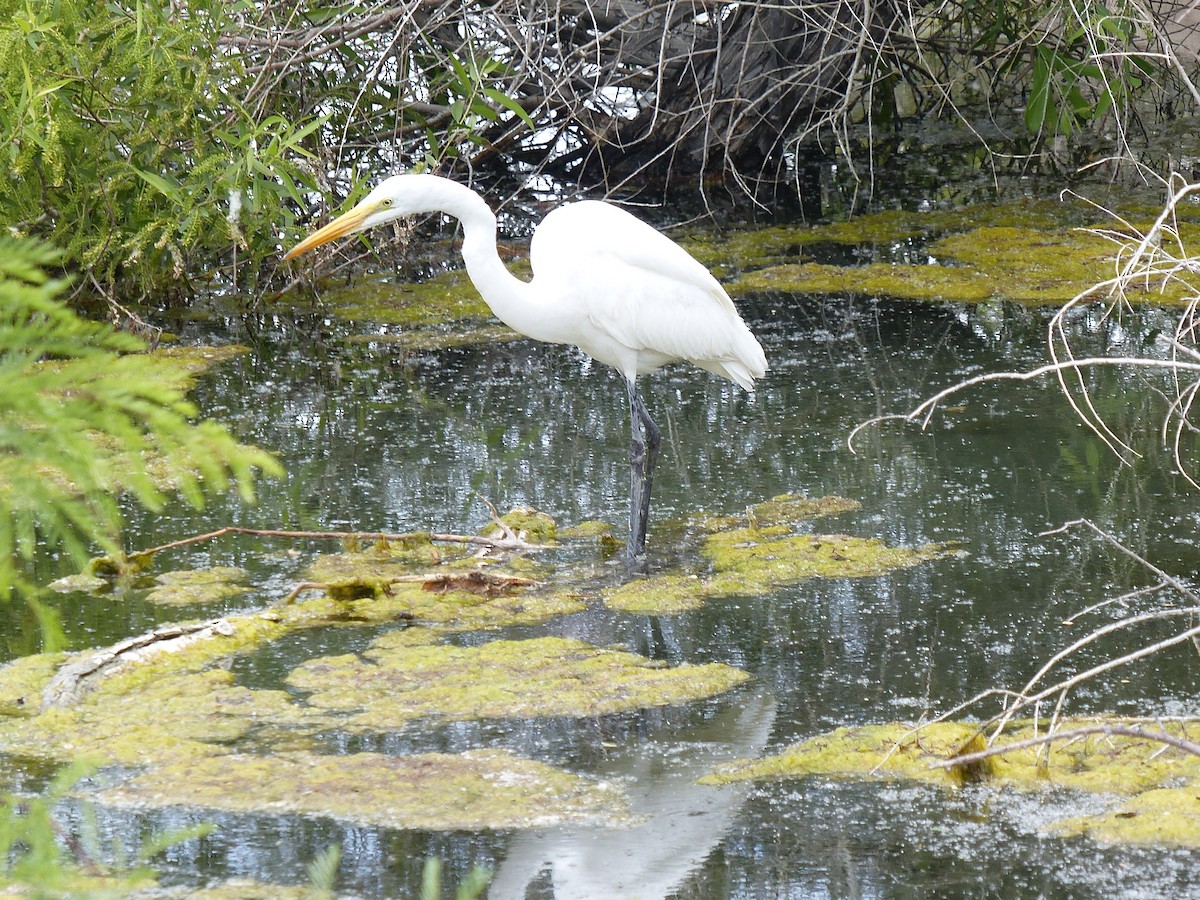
(603, 280)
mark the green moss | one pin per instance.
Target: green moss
(169, 719)
(659, 595)
(963, 285)
(381, 561)
(198, 360)
(738, 251)
(753, 560)
(584, 530)
(1164, 783)
(789, 508)
(529, 524)
(364, 584)
(23, 680)
(84, 583)
(1003, 262)
(445, 298)
(188, 586)
(502, 679)
(460, 610)
(889, 751)
(1168, 816)
(431, 791)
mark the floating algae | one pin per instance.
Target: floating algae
(386, 583)
(433, 791)
(660, 595)
(193, 586)
(767, 555)
(391, 686)
(1003, 262)
(1156, 789)
(170, 719)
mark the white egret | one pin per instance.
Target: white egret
(603, 280)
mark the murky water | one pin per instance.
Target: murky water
(374, 439)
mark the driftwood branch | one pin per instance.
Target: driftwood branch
(1161, 737)
(513, 543)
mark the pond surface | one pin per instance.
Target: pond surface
(379, 439)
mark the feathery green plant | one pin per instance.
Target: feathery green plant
(83, 418)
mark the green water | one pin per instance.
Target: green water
(375, 439)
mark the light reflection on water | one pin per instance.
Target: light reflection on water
(377, 440)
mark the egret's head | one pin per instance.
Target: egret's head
(400, 195)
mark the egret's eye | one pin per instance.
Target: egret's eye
(386, 201)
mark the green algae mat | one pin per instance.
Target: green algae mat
(1153, 790)
(431, 791)
(395, 682)
(165, 709)
(1034, 253)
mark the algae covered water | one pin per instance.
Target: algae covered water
(574, 794)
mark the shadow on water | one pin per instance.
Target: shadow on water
(376, 438)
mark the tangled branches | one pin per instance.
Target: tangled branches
(610, 94)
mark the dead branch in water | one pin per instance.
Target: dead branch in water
(1161, 737)
(489, 584)
(510, 543)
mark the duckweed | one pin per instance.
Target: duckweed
(431, 791)
(1163, 805)
(188, 586)
(391, 686)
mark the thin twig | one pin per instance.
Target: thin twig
(514, 544)
(1071, 733)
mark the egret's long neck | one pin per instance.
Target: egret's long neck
(515, 302)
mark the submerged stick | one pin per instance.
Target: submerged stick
(506, 543)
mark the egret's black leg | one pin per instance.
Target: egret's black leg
(643, 454)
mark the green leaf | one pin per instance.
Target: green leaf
(168, 189)
(510, 104)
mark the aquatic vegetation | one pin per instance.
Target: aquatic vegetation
(1021, 263)
(435, 791)
(659, 595)
(766, 555)
(172, 718)
(1166, 816)
(752, 560)
(389, 582)
(532, 525)
(875, 280)
(1159, 782)
(739, 251)
(22, 682)
(380, 300)
(193, 586)
(390, 686)
(790, 508)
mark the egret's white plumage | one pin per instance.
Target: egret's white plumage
(603, 280)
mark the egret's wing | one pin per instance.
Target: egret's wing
(642, 293)
(583, 232)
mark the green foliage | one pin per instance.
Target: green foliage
(466, 87)
(1064, 67)
(35, 858)
(127, 145)
(84, 417)
(322, 870)
(1087, 71)
(471, 887)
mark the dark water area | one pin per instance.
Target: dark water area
(375, 438)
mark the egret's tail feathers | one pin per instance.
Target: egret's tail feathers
(735, 370)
